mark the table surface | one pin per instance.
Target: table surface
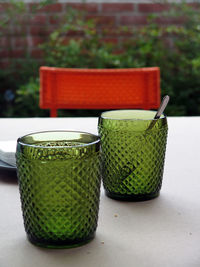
(157, 233)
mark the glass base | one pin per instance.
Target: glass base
(126, 197)
(60, 244)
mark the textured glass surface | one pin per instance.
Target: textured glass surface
(132, 156)
(59, 180)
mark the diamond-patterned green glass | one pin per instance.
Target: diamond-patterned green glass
(59, 182)
(132, 153)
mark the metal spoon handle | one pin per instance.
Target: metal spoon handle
(159, 112)
(162, 107)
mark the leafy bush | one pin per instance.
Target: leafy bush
(88, 51)
(27, 100)
(14, 78)
(175, 49)
(11, 80)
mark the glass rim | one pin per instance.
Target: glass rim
(130, 119)
(97, 141)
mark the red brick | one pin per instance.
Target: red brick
(23, 19)
(75, 33)
(42, 30)
(5, 31)
(133, 20)
(4, 63)
(126, 40)
(17, 53)
(19, 30)
(32, 7)
(117, 7)
(110, 31)
(36, 53)
(37, 40)
(127, 33)
(194, 5)
(4, 6)
(38, 30)
(20, 42)
(149, 8)
(103, 20)
(170, 20)
(116, 31)
(89, 7)
(39, 19)
(58, 7)
(110, 40)
(4, 42)
(4, 53)
(55, 19)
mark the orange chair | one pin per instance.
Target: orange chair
(62, 88)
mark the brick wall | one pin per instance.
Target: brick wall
(28, 31)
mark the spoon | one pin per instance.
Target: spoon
(159, 112)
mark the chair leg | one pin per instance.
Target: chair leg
(53, 112)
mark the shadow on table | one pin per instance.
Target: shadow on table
(8, 177)
(159, 207)
(89, 254)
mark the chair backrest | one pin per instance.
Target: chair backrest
(62, 88)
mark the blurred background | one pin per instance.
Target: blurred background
(81, 34)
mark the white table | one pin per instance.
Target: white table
(164, 232)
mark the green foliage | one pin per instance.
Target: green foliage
(27, 100)
(19, 71)
(175, 49)
(11, 80)
(88, 51)
(15, 9)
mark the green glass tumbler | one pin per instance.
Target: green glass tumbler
(132, 153)
(59, 183)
